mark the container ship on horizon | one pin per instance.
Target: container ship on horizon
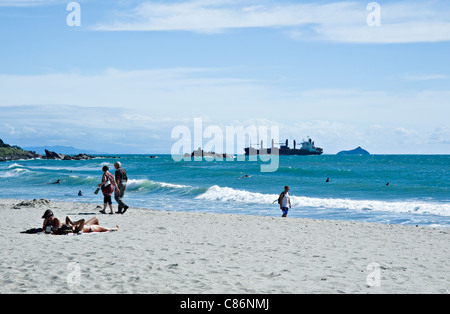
(307, 148)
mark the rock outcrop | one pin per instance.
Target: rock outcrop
(8, 153)
(53, 155)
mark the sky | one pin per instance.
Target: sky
(119, 76)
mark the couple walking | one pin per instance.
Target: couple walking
(117, 183)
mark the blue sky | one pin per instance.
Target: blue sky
(134, 70)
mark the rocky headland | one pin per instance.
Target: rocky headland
(8, 153)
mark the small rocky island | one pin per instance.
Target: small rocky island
(8, 152)
(356, 151)
(201, 153)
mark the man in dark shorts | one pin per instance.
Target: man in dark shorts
(121, 185)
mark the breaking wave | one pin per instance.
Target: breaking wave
(226, 194)
(146, 186)
(14, 172)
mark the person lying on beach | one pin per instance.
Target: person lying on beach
(80, 226)
(92, 225)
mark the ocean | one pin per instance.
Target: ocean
(418, 192)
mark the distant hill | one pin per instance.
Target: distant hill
(356, 151)
(66, 150)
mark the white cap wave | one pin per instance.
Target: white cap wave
(226, 194)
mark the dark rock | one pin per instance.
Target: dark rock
(8, 153)
(53, 155)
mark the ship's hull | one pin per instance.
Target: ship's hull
(282, 152)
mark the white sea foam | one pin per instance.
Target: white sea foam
(15, 166)
(14, 173)
(59, 168)
(137, 184)
(226, 194)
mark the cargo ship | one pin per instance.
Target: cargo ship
(307, 148)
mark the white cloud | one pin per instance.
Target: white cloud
(215, 16)
(441, 136)
(145, 105)
(122, 130)
(179, 93)
(29, 3)
(398, 33)
(143, 89)
(96, 128)
(11, 129)
(424, 77)
(339, 21)
(138, 118)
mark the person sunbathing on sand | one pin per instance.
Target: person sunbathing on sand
(92, 225)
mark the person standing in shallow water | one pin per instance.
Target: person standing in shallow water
(121, 185)
(285, 200)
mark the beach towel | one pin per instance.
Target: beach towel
(33, 231)
(40, 230)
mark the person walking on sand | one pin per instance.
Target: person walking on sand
(121, 185)
(284, 200)
(108, 184)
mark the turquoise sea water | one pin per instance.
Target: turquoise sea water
(418, 192)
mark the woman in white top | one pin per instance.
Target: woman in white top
(284, 200)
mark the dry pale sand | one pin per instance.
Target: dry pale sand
(177, 252)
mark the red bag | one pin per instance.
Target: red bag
(108, 189)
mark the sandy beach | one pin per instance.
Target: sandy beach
(158, 252)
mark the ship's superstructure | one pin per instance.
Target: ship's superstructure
(307, 148)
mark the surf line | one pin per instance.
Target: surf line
(228, 141)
